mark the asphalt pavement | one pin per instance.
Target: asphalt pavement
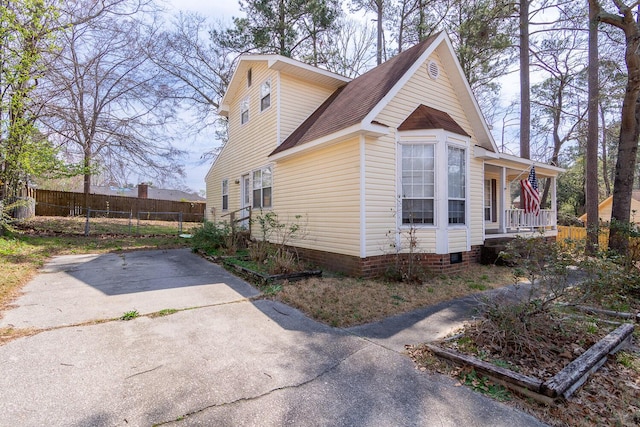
(224, 359)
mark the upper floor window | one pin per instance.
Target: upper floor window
(456, 160)
(265, 95)
(418, 178)
(249, 77)
(225, 194)
(244, 110)
(262, 185)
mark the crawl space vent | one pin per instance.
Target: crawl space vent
(433, 69)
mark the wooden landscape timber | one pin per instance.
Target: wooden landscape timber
(563, 384)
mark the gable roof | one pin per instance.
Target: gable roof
(425, 117)
(635, 200)
(282, 64)
(351, 104)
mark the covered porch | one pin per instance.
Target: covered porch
(503, 214)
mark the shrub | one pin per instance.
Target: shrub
(212, 237)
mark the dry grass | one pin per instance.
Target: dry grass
(344, 301)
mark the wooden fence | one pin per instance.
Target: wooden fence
(580, 234)
(63, 203)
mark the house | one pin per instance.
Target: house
(403, 147)
(144, 191)
(604, 209)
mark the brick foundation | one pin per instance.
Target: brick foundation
(379, 265)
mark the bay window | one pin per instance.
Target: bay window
(418, 183)
(456, 179)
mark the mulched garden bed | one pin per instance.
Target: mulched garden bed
(611, 396)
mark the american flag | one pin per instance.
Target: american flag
(530, 195)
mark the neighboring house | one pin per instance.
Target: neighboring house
(144, 191)
(364, 161)
(604, 209)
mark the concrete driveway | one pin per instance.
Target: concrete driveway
(227, 361)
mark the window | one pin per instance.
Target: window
(225, 194)
(265, 95)
(244, 110)
(456, 160)
(249, 77)
(262, 180)
(418, 183)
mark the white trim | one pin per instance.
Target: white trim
(398, 194)
(268, 79)
(427, 139)
(482, 153)
(339, 136)
(403, 80)
(502, 220)
(275, 62)
(526, 163)
(441, 219)
(363, 198)
(224, 180)
(467, 195)
(278, 111)
(248, 101)
(469, 94)
(261, 169)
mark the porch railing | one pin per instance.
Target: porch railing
(240, 217)
(518, 219)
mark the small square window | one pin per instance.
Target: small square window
(265, 95)
(455, 258)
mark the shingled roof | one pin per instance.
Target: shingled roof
(350, 104)
(425, 117)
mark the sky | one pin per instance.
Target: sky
(195, 169)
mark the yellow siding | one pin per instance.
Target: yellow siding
(380, 195)
(457, 240)
(381, 175)
(604, 210)
(421, 89)
(323, 187)
(249, 144)
(299, 100)
(476, 200)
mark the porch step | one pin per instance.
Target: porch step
(490, 253)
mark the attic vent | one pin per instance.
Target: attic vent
(433, 69)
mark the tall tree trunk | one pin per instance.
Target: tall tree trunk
(87, 170)
(421, 21)
(282, 29)
(591, 168)
(605, 163)
(379, 4)
(525, 83)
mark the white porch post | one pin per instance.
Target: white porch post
(554, 204)
(502, 201)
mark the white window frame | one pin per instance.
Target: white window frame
(244, 109)
(265, 95)
(457, 198)
(225, 194)
(404, 197)
(258, 188)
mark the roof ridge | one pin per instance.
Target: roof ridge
(350, 104)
